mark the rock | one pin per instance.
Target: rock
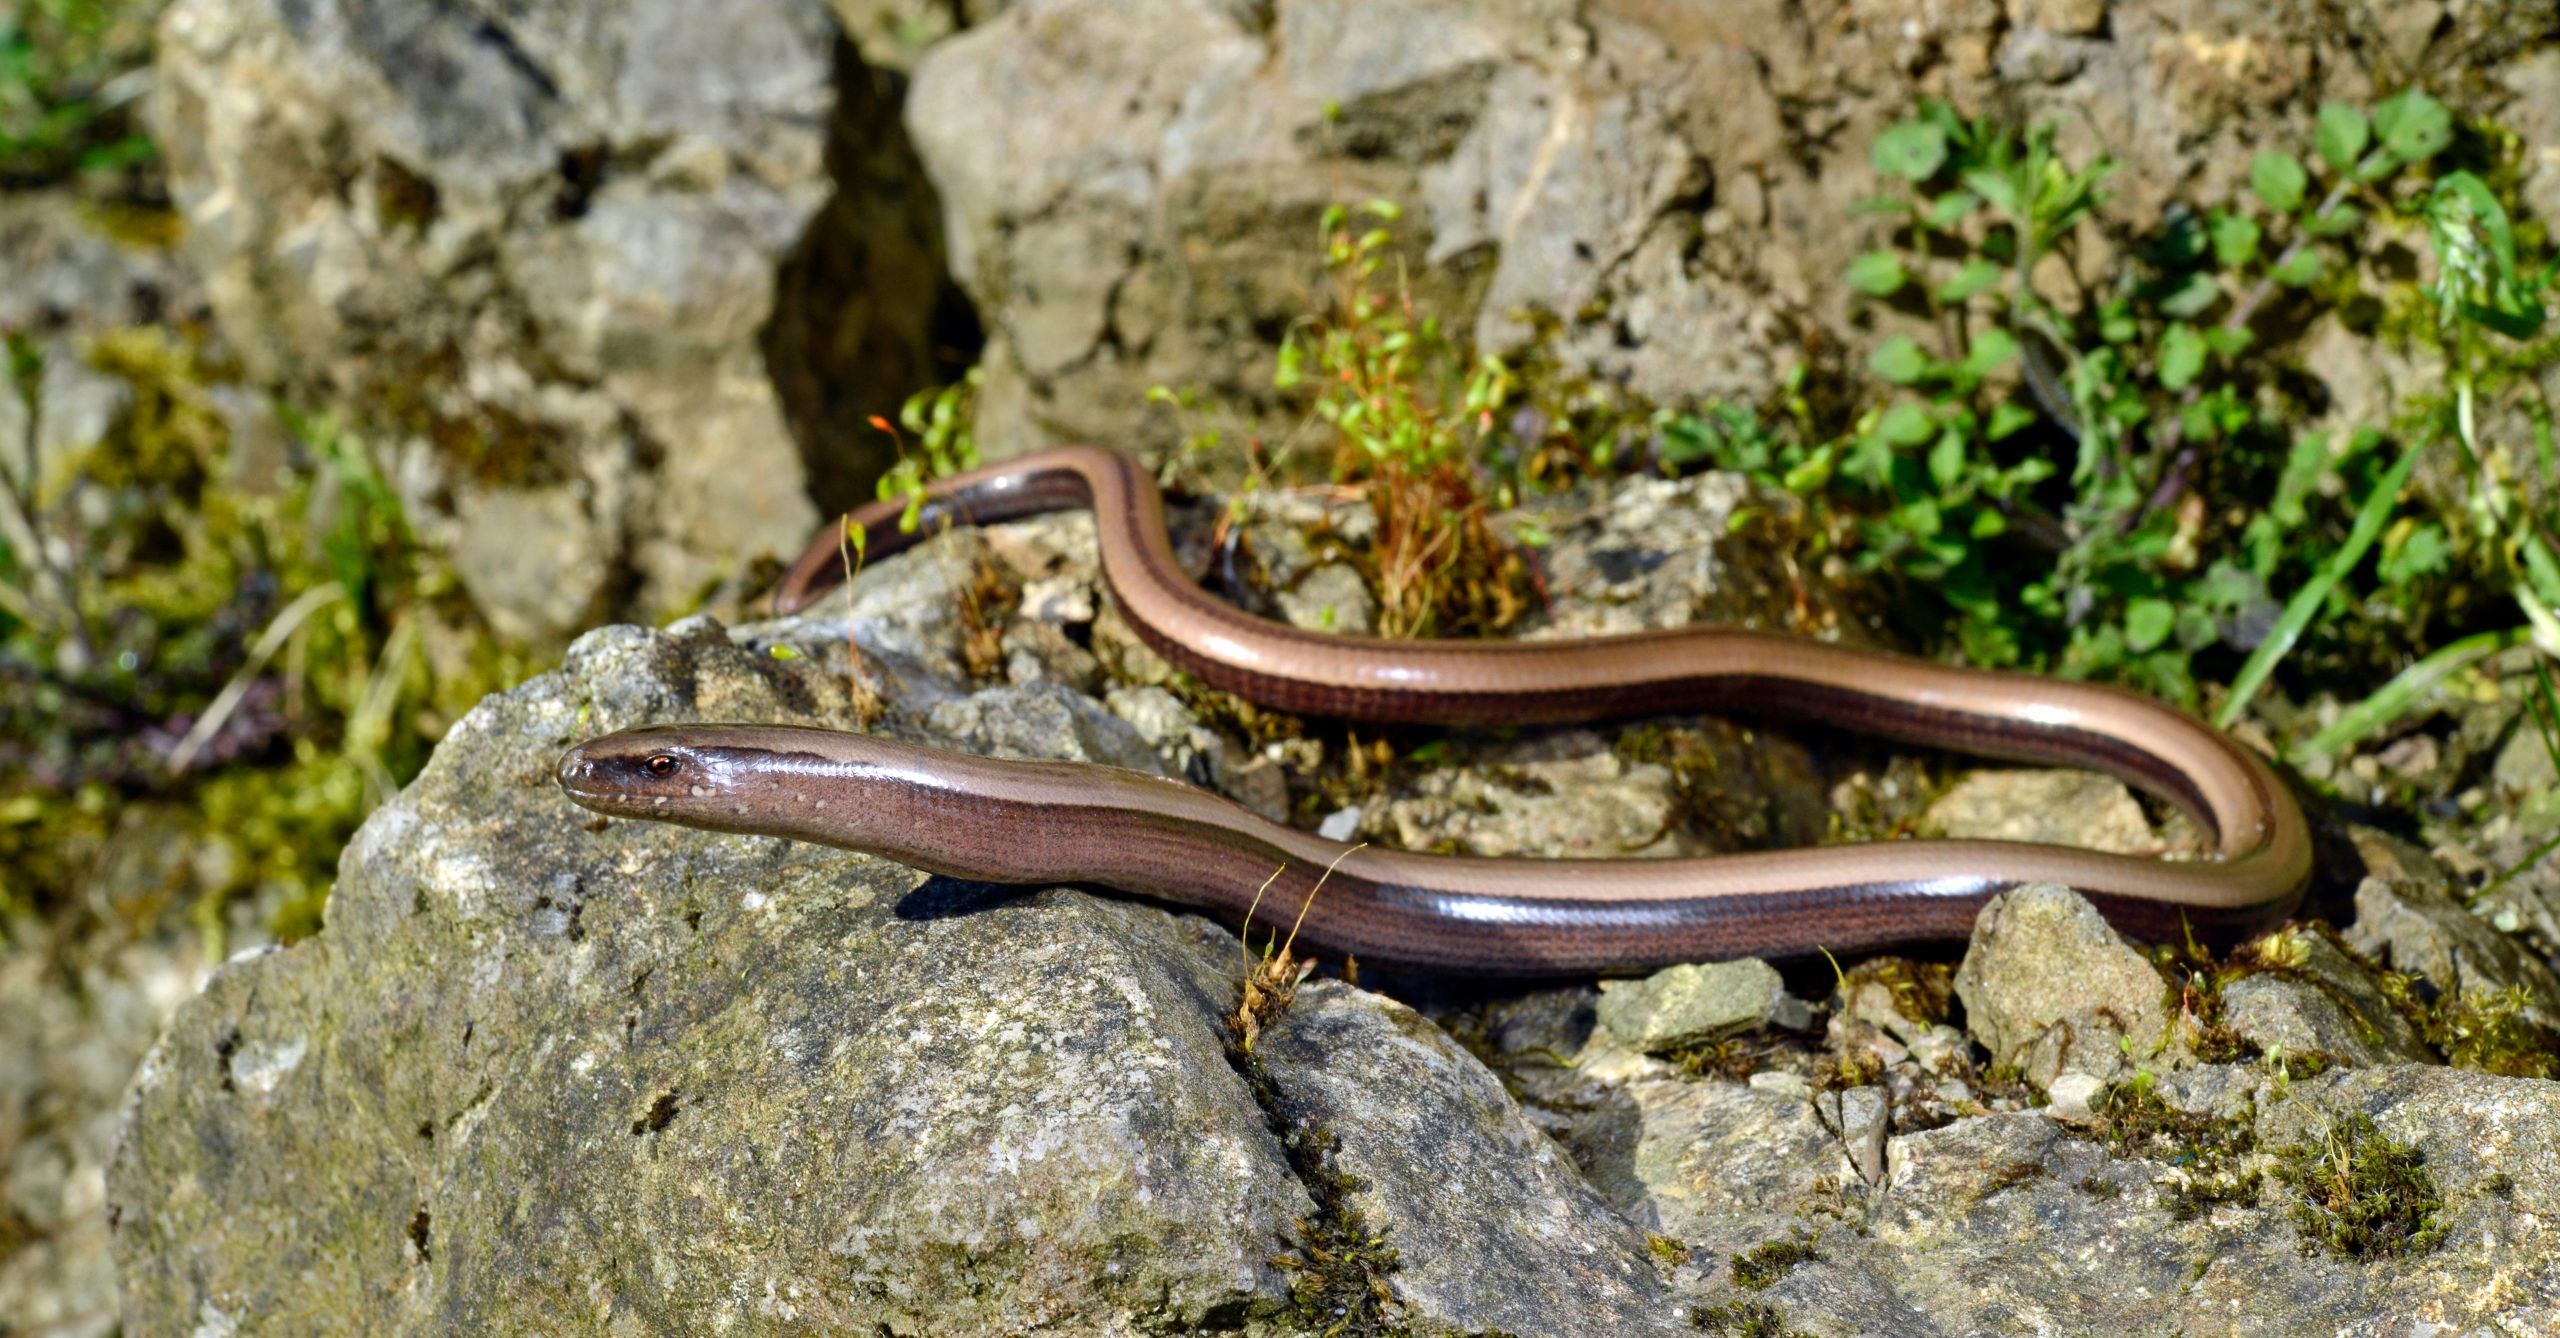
(1649, 553)
(1331, 598)
(69, 273)
(2524, 767)
(2534, 113)
(689, 1030)
(1713, 1164)
(1660, 196)
(1862, 1116)
(537, 253)
(2072, 18)
(2049, 987)
(1042, 720)
(2018, 1222)
(81, 405)
(2418, 929)
(1565, 794)
(957, 1109)
(2320, 1002)
(1494, 1226)
(2070, 1095)
(2073, 808)
(1685, 1006)
(84, 1008)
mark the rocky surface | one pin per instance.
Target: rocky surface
(616, 313)
(1665, 190)
(536, 253)
(546, 1069)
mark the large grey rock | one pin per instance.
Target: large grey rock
(853, 1101)
(2011, 1223)
(534, 252)
(1435, 1145)
(543, 1066)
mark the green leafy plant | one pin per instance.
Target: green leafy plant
(942, 422)
(1410, 411)
(2096, 472)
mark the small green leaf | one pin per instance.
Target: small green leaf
(1976, 276)
(2228, 341)
(1949, 209)
(2412, 126)
(1990, 349)
(1913, 151)
(2008, 417)
(1899, 360)
(2487, 214)
(2235, 238)
(782, 652)
(1997, 189)
(2413, 549)
(1877, 274)
(2279, 180)
(1946, 459)
(1813, 474)
(1988, 523)
(1907, 424)
(2181, 356)
(2147, 622)
(2298, 269)
(1288, 369)
(2342, 135)
(2198, 292)
(2337, 222)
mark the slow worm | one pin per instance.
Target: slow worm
(1051, 822)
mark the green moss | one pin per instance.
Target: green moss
(1924, 992)
(1750, 1318)
(1672, 1253)
(1338, 1285)
(281, 593)
(1734, 1058)
(2208, 1160)
(2490, 1033)
(2361, 1193)
(1760, 1267)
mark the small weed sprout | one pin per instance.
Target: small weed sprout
(1271, 983)
(1410, 412)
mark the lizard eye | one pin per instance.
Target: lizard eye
(662, 765)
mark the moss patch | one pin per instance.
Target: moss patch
(1743, 1319)
(1760, 1267)
(1338, 1284)
(2208, 1160)
(2361, 1193)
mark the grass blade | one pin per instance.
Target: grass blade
(2361, 720)
(2305, 604)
